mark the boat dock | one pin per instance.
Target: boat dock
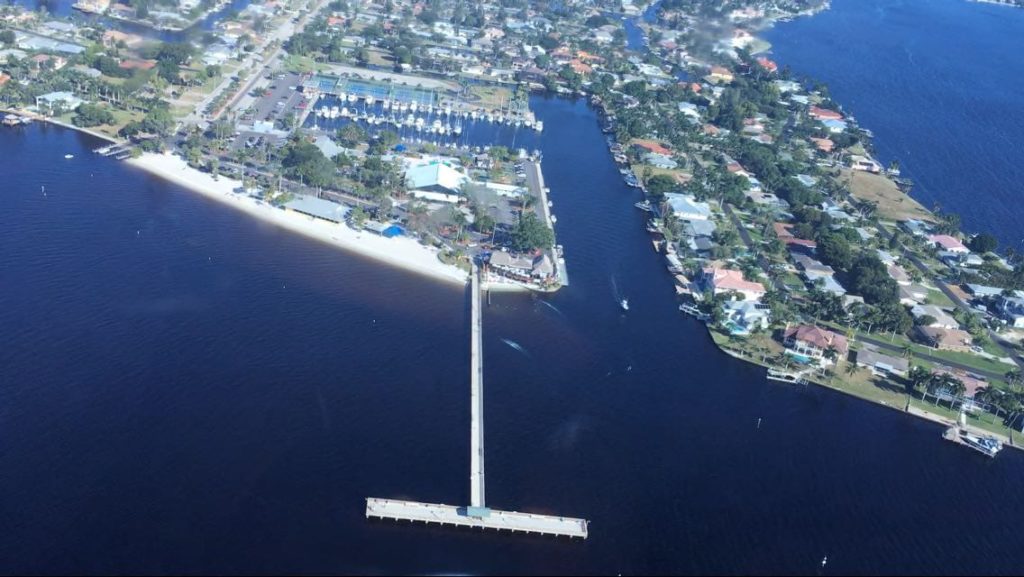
(477, 514)
(535, 183)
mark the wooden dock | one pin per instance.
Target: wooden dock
(469, 517)
(477, 514)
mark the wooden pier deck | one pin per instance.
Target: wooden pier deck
(468, 517)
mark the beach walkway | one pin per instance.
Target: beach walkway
(477, 514)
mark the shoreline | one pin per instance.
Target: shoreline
(403, 253)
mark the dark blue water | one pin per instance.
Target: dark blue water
(187, 390)
(939, 82)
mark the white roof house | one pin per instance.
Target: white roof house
(687, 208)
(434, 177)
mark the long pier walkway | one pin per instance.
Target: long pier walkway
(477, 514)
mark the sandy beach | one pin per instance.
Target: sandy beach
(401, 252)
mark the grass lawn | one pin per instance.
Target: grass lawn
(892, 202)
(380, 57)
(939, 298)
(301, 64)
(491, 96)
(986, 421)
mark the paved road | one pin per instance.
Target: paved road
(1007, 352)
(749, 243)
(256, 66)
(882, 344)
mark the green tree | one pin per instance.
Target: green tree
(531, 233)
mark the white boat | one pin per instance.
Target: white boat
(624, 303)
(644, 206)
(69, 156)
(345, 111)
(413, 106)
(352, 98)
(538, 125)
(988, 446)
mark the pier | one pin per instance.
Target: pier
(477, 514)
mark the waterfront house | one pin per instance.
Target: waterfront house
(948, 243)
(58, 100)
(865, 164)
(659, 161)
(719, 281)
(652, 146)
(744, 317)
(945, 339)
(767, 64)
(915, 227)
(814, 342)
(881, 364)
(824, 114)
(687, 208)
(941, 318)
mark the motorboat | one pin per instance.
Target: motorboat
(624, 303)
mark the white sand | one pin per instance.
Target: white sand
(400, 251)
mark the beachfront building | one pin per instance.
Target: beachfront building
(385, 229)
(318, 208)
(814, 342)
(720, 281)
(435, 181)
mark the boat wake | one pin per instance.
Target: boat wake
(551, 306)
(516, 346)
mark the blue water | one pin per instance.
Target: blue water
(939, 82)
(188, 390)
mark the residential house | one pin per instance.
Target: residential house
(942, 319)
(879, 363)
(723, 281)
(720, 75)
(912, 294)
(948, 243)
(945, 339)
(814, 342)
(745, 317)
(1011, 309)
(687, 208)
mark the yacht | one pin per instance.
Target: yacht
(538, 125)
(644, 206)
(988, 446)
(624, 303)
